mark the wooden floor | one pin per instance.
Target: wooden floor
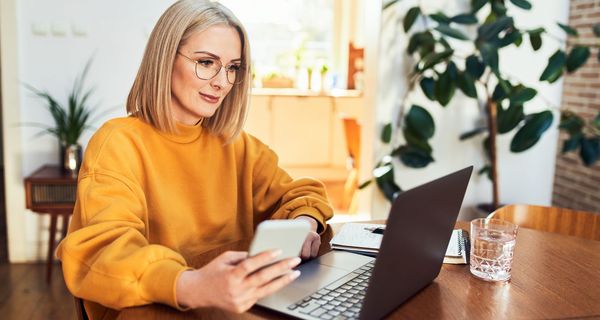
(24, 293)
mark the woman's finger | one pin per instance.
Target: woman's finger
(316, 245)
(250, 265)
(277, 284)
(267, 274)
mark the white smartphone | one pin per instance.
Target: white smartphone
(286, 235)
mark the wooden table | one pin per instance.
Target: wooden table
(553, 276)
(51, 191)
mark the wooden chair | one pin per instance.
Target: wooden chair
(552, 219)
(80, 309)
(352, 134)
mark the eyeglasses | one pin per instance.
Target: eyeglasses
(207, 68)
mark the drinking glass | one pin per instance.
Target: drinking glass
(492, 246)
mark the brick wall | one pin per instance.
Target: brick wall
(575, 185)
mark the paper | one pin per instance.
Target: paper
(454, 248)
(356, 235)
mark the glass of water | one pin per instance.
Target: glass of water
(492, 246)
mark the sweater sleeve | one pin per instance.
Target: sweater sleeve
(106, 256)
(277, 196)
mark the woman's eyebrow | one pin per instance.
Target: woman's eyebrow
(216, 56)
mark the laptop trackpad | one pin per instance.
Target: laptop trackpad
(328, 268)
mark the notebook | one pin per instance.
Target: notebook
(360, 238)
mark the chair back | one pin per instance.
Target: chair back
(564, 221)
(80, 309)
(352, 134)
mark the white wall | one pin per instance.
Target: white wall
(525, 177)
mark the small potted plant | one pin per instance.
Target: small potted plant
(70, 121)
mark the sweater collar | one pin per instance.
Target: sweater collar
(184, 133)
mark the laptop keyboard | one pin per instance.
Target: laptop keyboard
(341, 299)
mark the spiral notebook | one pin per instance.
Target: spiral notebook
(361, 238)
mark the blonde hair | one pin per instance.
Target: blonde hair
(150, 96)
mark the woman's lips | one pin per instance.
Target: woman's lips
(208, 98)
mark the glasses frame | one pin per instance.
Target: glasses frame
(219, 71)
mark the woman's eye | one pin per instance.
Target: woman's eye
(234, 67)
(206, 62)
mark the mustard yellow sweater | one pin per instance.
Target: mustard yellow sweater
(148, 201)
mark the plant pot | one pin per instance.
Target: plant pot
(71, 158)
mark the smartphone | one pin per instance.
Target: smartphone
(286, 235)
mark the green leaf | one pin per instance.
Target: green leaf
(596, 29)
(451, 32)
(413, 157)
(571, 123)
(466, 83)
(536, 41)
(411, 17)
(414, 140)
(577, 57)
(536, 31)
(427, 85)
(509, 119)
(498, 8)
(384, 177)
(439, 17)
(472, 133)
(500, 92)
(445, 87)
(571, 144)
(521, 95)
(596, 121)
(487, 170)
(513, 36)
(489, 54)
(570, 31)
(389, 4)
(465, 18)
(523, 4)
(476, 5)
(386, 133)
(555, 66)
(474, 66)
(420, 121)
(489, 31)
(422, 41)
(530, 133)
(434, 58)
(590, 151)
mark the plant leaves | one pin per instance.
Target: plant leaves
(427, 86)
(570, 31)
(489, 31)
(365, 184)
(596, 122)
(536, 41)
(489, 55)
(590, 150)
(571, 123)
(577, 57)
(474, 66)
(414, 140)
(389, 4)
(513, 36)
(596, 29)
(476, 5)
(498, 8)
(451, 32)
(386, 133)
(487, 170)
(500, 92)
(445, 87)
(572, 143)
(509, 119)
(464, 18)
(422, 41)
(413, 157)
(472, 133)
(411, 17)
(523, 4)
(520, 95)
(384, 177)
(555, 66)
(439, 17)
(466, 83)
(530, 133)
(420, 121)
(434, 58)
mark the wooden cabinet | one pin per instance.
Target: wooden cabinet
(305, 129)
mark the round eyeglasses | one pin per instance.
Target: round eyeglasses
(207, 68)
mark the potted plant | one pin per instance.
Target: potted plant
(70, 120)
(439, 69)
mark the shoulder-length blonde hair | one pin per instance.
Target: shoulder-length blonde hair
(150, 95)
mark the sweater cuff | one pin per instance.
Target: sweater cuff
(313, 213)
(159, 282)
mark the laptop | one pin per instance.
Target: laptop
(345, 285)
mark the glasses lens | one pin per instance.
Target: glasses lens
(207, 69)
(235, 74)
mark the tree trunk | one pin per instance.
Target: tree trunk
(491, 106)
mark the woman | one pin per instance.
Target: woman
(179, 177)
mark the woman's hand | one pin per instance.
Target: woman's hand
(310, 248)
(234, 282)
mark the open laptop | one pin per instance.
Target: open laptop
(344, 285)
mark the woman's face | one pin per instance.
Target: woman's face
(193, 98)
